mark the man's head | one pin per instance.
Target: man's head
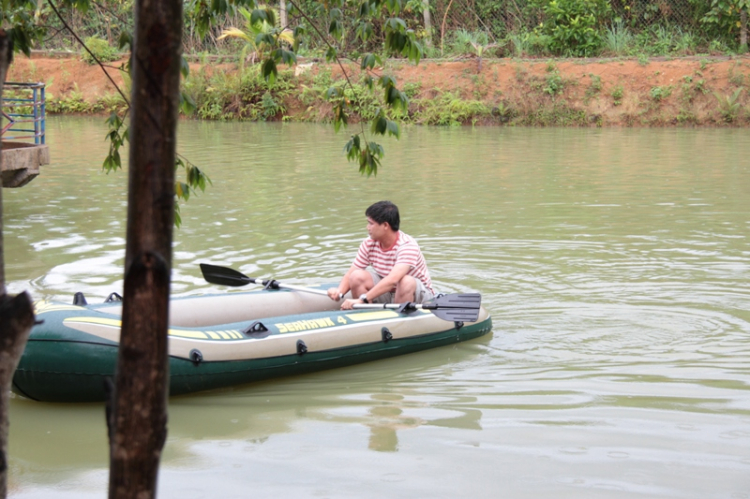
(384, 211)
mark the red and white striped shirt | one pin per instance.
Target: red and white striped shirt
(405, 251)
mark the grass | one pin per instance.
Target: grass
(729, 105)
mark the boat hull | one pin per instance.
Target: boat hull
(74, 351)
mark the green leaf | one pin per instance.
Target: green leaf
(177, 217)
(331, 54)
(184, 67)
(288, 57)
(298, 33)
(336, 29)
(368, 82)
(394, 6)
(265, 38)
(393, 129)
(125, 41)
(368, 61)
(379, 125)
(332, 93)
(187, 104)
(395, 24)
(364, 31)
(182, 190)
(369, 159)
(260, 16)
(269, 71)
(339, 116)
(352, 148)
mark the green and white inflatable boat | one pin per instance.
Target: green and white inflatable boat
(221, 340)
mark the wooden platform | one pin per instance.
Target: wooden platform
(21, 162)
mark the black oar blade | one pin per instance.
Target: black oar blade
(225, 276)
(463, 300)
(462, 307)
(457, 314)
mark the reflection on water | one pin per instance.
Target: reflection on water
(615, 263)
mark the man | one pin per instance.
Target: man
(397, 273)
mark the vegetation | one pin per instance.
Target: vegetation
(573, 26)
(528, 28)
(100, 50)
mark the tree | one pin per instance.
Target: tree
(138, 416)
(255, 29)
(16, 313)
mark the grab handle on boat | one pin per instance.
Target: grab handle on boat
(301, 347)
(386, 334)
(256, 330)
(79, 299)
(196, 357)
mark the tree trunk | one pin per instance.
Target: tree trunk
(16, 313)
(743, 30)
(138, 413)
(427, 21)
(16, 320)
(442, 28)
(282, 14)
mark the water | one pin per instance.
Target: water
(615, 263)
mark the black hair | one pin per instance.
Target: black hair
(384, 211)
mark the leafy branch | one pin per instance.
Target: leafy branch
(117, 134)
(399, 40)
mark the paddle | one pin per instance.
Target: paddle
(230, 277)
(462, 307)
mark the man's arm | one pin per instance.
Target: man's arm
(343, 287)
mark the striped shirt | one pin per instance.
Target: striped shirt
(405, 251)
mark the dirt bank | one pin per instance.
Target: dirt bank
(612, 92)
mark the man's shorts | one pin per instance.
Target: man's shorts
(422, 293)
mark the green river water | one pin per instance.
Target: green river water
(615, 263)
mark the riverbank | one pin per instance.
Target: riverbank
(704, 91)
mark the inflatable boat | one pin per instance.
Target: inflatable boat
(221, 340)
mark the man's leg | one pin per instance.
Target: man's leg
(406, 289)
(413, 290)
(360, 282)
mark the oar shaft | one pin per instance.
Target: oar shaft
(299, 288)
(379, 306)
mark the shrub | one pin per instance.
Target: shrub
(573, 25)
(722, 21)
(101, 50)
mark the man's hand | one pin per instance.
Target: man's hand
(349, 304)
(334, 294)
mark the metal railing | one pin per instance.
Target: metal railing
(24, 110)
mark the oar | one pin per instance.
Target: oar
(462, 307)
(230, 277)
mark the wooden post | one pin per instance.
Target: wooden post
(138, 413)
(16, 313)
